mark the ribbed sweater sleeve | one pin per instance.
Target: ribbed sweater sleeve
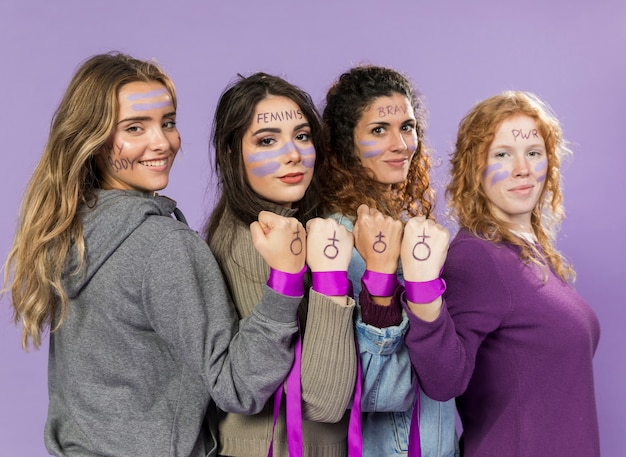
(328, 348)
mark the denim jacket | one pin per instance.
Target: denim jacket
(389, 386)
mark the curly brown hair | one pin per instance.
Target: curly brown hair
(346, 183)
(467, 200)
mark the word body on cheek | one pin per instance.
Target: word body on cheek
(279, 116)
(520, 133)
(390, 110)
(121, 164)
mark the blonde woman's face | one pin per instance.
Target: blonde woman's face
(517, 165)
(278, 152)
(144, 142)
(385, 138)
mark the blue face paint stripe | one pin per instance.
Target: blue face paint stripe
(541, 166)
(369, 154)
(308, 163)
(149, 106)
(266, 169)
(368, 143)
(152, 93)
(499, 176)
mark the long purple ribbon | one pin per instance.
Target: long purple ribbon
(415, 448)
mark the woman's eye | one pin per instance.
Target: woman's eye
(408, 127)
(266, 141)
(534, 153)
(500, 154)
(303, 137)
(133, 129)
(169, 124)
(378, 130)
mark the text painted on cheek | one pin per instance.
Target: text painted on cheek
(275, 116)
(119, 164)
(390, 110)
(519, 133)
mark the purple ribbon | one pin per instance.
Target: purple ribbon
(424, 292)
(380, 284)
(331, 283)
(290, 284)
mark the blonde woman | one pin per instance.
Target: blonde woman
(144, 337)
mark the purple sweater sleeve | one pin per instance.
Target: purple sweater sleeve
(443, 352)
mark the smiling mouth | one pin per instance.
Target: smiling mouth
(154, 163)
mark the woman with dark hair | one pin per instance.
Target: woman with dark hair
(267, 141)
(376, 177)
(511, 338)
(143, 335)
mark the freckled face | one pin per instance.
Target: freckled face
(278, 151)
(144, 142)
(517, 164)
(385, 138)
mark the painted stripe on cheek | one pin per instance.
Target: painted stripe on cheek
(266, 169)
(499, 176)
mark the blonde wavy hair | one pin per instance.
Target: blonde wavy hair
(64, 179)
(467, 200)
(346, 183)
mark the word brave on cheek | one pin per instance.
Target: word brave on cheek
(520, 133)
(390, 110)
(279, 116)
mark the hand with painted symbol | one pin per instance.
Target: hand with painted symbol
(424, 249)
(329, 245)
(281, 241)
(378, 239)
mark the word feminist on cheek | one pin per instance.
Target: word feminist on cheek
(147, 95)
(279, 116)
(520, 133)
(497, 175)
(371, 153)
(390, 110)
(330, 250)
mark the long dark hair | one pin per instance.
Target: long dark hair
(233, 116)
(346, 182)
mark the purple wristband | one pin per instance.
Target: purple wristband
(330, 282)
(424, 292)
(380, 284)
(291, 284)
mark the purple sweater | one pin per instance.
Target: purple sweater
(515, 351)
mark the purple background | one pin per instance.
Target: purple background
(572, 53)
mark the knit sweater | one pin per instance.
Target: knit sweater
(515, 349)
(151, 339)
(328, 356)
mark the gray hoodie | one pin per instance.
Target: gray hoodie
(151, 339)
